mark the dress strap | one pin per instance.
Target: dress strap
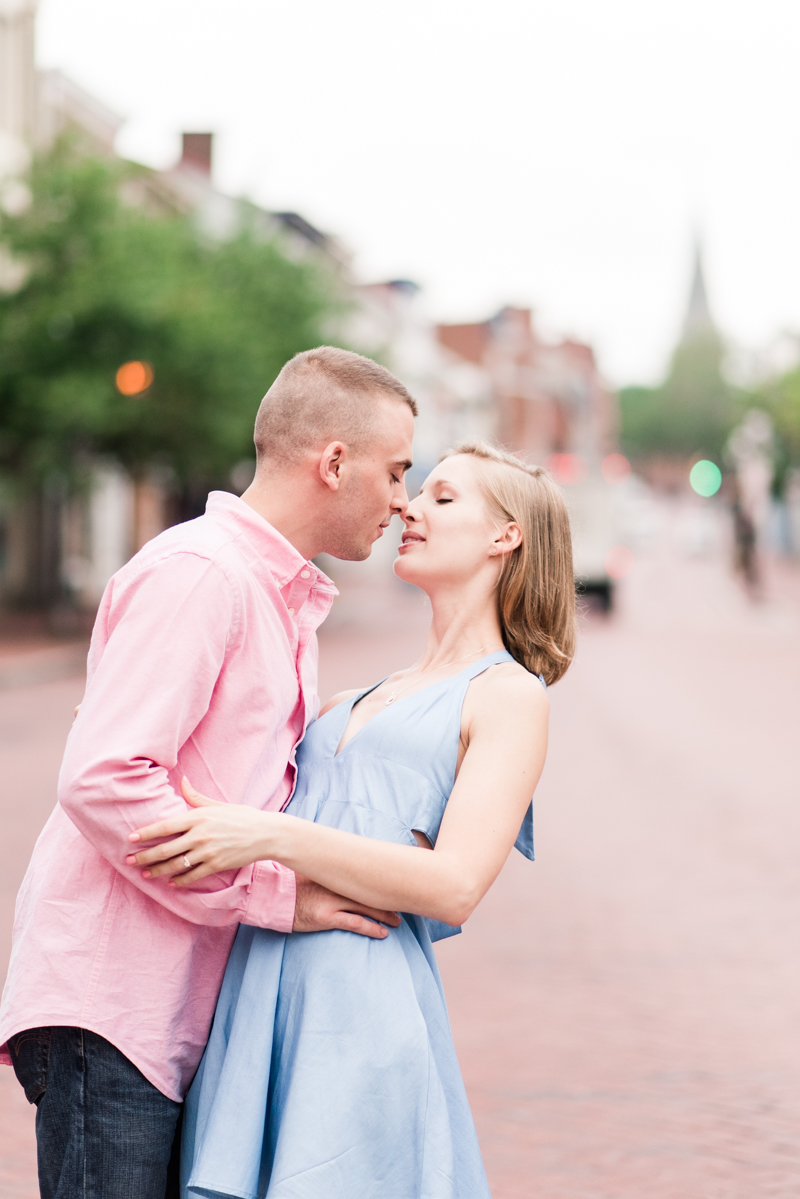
(500, 655)
(471, 672)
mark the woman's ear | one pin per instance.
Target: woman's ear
(509, 538)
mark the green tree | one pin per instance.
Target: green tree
(781, 399)
(693, 411)
(108, 281)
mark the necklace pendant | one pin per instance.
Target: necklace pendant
(390, 700)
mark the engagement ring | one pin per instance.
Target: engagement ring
(186, 862)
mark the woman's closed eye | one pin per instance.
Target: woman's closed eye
(444, 500)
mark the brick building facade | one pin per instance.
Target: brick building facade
(547, 398)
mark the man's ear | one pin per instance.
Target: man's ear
(331, 465)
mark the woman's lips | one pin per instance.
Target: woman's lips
(410, 539)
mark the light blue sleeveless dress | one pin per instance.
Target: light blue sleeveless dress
(330, 1072)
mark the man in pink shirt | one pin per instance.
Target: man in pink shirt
(203, 662)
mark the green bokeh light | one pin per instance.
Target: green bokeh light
(705, 477)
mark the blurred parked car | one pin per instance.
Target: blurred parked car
(599, 499)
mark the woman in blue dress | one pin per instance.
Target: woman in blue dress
(330, 1071)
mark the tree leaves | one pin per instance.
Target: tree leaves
(108, 282)
(692, 412)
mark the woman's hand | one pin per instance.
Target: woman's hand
(216, 836)
(207, 838)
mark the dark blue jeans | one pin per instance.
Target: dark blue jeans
(102, 1130)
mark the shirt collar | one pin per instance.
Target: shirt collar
(284, 561)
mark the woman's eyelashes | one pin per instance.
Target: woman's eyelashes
(444, 500)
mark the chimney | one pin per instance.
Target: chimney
(197, 152)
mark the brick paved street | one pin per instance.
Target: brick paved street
(627, 1009)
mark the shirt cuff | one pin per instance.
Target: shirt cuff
(272, 898)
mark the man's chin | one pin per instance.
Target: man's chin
(352, 553)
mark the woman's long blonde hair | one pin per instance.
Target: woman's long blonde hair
(536, 591)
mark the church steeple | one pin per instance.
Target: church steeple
(698, 314)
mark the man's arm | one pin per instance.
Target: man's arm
(168, 632)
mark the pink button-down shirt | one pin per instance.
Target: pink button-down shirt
(203, 662)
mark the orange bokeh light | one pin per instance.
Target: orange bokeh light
(619, 562)
(134, 377)
(616, 468)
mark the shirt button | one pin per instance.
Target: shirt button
(305, 574)
(291, 611)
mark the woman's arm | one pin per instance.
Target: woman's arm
(505, 726)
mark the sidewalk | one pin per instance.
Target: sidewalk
(24, 666)
(30, 653)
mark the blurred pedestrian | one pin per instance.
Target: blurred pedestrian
(745, 558)
(751, 447)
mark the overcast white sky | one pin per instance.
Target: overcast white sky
(551, 153)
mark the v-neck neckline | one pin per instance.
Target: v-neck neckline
(363, 695)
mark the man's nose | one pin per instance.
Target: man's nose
(399, 500)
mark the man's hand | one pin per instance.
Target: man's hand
(318, 910)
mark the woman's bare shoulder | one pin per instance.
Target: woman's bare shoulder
(339, 698)
(507, 685)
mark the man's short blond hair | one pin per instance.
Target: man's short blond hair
(320, 396)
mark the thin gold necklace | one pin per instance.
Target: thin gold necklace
(425, 673)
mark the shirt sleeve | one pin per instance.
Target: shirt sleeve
(167, 632)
